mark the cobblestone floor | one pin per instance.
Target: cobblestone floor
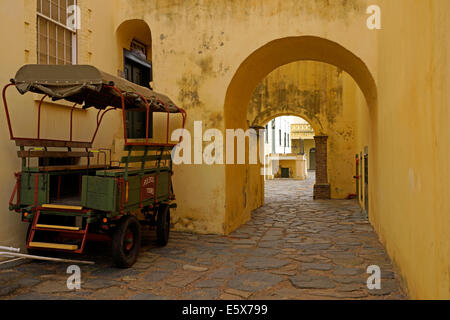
(293, 248)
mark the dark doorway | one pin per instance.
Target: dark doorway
(366, 181)
(285, 172)
(140, 72)
(312, 159)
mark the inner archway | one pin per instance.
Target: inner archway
(288, 141)
(277, 53)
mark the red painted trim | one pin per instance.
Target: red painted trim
(36, 182)
(11, 135)
(19, 180)
(16, 190)
(156, 188)
(39, 117)
(121, 188)
(71, 118)
(80, 184)
(83, 242)
(98, 237)
(33, 228)
(168, 118)
(99, 122)
(59, 187)
(124, 119)
(148, 113)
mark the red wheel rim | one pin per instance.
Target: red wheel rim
(128, 241)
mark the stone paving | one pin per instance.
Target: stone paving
(293, 248)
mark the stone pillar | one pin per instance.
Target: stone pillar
(322, 187)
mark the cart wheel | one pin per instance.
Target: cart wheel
(126, 242)
(163, 225)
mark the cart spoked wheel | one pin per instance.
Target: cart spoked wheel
(163, 225)
(126, 242)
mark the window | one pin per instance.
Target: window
(285, 139)
(288, 140)
(138, 71)
(56, 41)
(279, 133)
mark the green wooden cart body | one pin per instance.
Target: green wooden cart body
(103, 191)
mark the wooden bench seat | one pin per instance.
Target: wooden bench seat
(23, 142)
(67, 168)
(53, 154)
(131, 171)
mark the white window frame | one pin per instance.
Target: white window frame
(49, 19)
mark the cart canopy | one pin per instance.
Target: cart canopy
(88, 86)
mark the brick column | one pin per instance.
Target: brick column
(322, 187)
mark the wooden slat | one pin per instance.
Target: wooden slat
(50, 226)
(52, 154)
(52, 143)
(71, 167)
(61, 206)
(53, 245)
(147, 158)
(131, 171)
(150, 148)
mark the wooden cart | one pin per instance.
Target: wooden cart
(66, 196)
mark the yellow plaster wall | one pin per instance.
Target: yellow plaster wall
(211, 55)
(411, 210)
(196, 69)
(308, 145)
(18, 34)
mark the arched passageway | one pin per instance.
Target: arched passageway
(288, 140)
(244, 191)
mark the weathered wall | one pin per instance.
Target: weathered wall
(196, 68)
(411, 210)
(353, 96)
(313, 91)
(308, 145)
(211, 55)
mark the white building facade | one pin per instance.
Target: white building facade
(277, 139)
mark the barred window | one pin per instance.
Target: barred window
(56, 41)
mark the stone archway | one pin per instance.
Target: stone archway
(247, 77)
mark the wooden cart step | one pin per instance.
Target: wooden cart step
(50, 226)
(53, 245)
(60, 206)
(63, 231)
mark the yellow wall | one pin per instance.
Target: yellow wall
(295, 168)
(411, 210)
(308, 145)
(210, 56)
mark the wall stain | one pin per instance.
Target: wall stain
(188, 95)
(297, 89)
